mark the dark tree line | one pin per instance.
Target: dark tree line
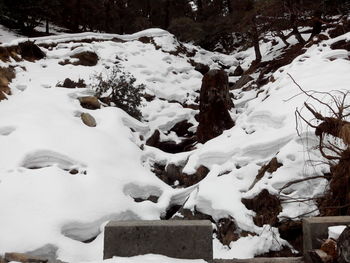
(206, 22)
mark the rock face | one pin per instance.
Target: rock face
(214, 106)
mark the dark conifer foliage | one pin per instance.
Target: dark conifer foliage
(213, 24)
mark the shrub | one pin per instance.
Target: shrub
(118, 88)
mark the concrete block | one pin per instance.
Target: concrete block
(316, 228)
(186, 239)
(262, 260)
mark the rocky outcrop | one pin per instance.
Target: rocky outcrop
(214, 106)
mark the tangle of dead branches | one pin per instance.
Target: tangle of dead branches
(333, 132)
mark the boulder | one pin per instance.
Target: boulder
(88, 120)
(214, 105)
(90, 102)
(86, 58)
(29, 51)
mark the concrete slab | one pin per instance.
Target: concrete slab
(186, 239)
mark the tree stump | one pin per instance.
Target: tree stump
(214, 106)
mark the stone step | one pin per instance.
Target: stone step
(262, 260)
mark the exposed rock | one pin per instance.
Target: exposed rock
(170, 146)
(214, 106)
(343, 246)
(152, 198)
(90, 102)
(271, 167)
(86, 58)
(24, 258)
(148, 97)
(201, 68)
(238, 71)
(4, 54)
(172, 175)
(6, 75)
(29, 51)
(181, 128)
(330, 247)
(341, 44)
(227, 231)
(341, 29)
(266, 206)
(88, 120)
(70, 84)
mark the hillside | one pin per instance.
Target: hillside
(61, 181)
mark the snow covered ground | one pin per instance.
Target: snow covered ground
(6, 35)
(42, 138)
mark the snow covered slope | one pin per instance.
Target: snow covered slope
(42, 140)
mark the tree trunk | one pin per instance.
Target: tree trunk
(255, 38)
(47, 26)
(167, 14)
(293, 19)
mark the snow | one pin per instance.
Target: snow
(7, 35)
(335, 231)
(41, 128)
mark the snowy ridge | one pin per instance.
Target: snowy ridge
(42, 139)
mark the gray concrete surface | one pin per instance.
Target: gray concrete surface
(261, 260)
(187, 239)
